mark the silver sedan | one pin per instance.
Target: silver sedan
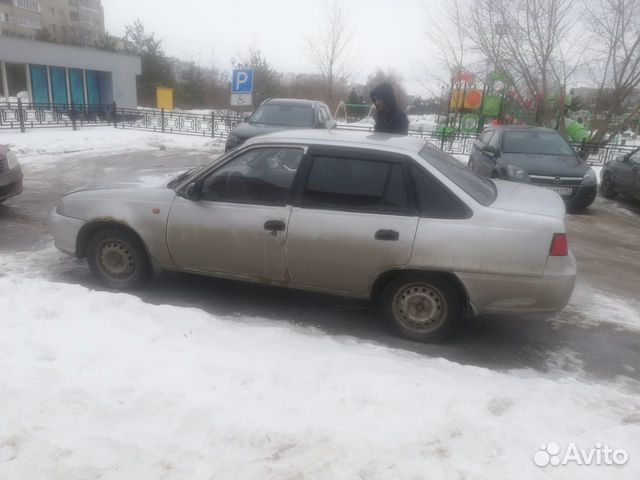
(381, 217)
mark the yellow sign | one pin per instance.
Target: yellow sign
(457, 98)
(164, 97)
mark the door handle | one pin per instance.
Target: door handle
(274, 225)
(387, 235)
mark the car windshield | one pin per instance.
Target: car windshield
(480, 189)
(283, 115)
(537, 143)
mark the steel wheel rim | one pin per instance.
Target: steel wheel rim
(420, 307)
(116, 259)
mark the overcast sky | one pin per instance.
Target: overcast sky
(387, 34)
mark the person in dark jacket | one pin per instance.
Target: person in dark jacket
(389, 118)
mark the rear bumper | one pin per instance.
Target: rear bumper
(65, 232)
(550, 293)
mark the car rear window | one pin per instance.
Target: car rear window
(480, 189)
(538, 143)
(283, 115)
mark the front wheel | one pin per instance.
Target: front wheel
(118, 259)
(421, 307)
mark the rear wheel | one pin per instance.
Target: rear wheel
(606, 187)
(421, 307)
(118, 259)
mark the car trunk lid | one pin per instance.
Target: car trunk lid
(525, 198)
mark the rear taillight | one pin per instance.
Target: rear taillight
(559, 245)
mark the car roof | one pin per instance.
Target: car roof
(291, 101)
(344, 138)
(532, 128)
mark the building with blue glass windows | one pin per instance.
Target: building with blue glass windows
(63, 75)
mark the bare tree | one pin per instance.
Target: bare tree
(615, 25)
(533, 43)
(447, 43)
(329, 51)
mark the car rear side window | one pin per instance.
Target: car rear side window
(480, 189)
(354, 184)
(435, 200)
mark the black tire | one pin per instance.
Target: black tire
(606, 187)
(118, 259)
(421, 307)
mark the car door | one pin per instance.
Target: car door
(634, 161)
(237, 227)
(353, 218)
(624, 176)
(481, 162)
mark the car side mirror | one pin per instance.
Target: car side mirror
(490, 152)
(329, 124)
(246, 118)
(621, 158)
(193, 191)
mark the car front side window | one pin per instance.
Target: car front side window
(486, 137)
(494, 142)
(259, 176)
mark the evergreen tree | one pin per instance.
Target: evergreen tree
(191, 92)
(156, 69)
(354, 98)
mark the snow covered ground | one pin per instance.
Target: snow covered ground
(42, 145)
(103, 385)
(99, 384)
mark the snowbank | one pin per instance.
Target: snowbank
(36, 144)
(103, 385)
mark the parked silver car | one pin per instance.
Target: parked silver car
(381, 217)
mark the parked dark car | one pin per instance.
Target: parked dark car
(621, 175)
(535, 155)
(10, 174)
(281, 114)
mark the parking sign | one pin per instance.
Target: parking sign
(242, 81)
